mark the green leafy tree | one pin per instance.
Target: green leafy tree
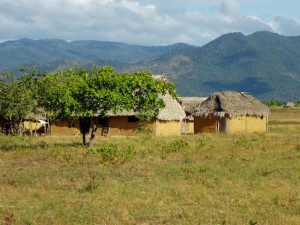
(17, 99)
(275, 103)
(3, 99)
(81, 93)
(29, 100)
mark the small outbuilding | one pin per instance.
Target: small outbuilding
(231, 112)
(188, 104)
(126, 123)
(290, 105)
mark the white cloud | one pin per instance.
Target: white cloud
(273, 26)
(149, 22)
(230, 7)
(287, 26)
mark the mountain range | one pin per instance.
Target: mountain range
(265, 64)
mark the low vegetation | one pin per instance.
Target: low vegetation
(194, 179)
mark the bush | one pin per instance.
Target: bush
(108, 153)
(176, 146)
(202, 143)
(127, 154)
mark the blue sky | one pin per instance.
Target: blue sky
(155, 22)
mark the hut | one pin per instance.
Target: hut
(231, 112)
(126, 123)
(290, 105)
(188, 103)
(68, 128)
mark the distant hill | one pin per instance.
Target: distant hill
(265, 64)
(47, 51)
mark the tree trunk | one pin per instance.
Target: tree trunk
(83, 138)
(49, 127)
(20, 127)
(93, 135)
(35, 127)
(46, 125)
(84, 127)
(7, 126)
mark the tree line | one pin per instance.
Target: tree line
(275, 103)
(78, 93)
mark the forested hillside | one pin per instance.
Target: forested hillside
(54, 53)
(265, 64)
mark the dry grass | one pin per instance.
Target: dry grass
(195, 179)
(288, 114)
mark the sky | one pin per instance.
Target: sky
(145, 22)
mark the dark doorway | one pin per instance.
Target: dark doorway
(223, 125)
(104, 123)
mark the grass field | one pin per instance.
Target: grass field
(284, 116)
(212, 179)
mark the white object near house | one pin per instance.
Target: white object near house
(43, 122)
(290, 105)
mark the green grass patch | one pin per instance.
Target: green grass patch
(194, 179)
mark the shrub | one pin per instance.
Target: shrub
(4, 147)
(108, 153)
(127, 154)
(177, 146)
(174, 146)
(143, 128)
(202, 143)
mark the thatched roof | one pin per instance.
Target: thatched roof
(172, 110)
(231, 104)
(188, 103)
(121, 113)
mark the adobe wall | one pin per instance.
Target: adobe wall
(64, 128)
(248, 124)
(167, 128)
(119, 125)
(187, 127)
(205, 124)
